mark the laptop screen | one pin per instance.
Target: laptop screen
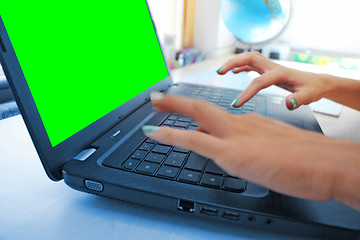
(83, 59)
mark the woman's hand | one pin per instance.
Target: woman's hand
(268, 152)
(306, 87)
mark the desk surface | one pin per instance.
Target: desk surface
(34, 207)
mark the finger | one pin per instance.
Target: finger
(202, 143)
(208, 116)
(295, 100)
(253, 59)
(284, 86)
(243, 69)
(264, 81)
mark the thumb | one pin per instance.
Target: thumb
(295, 100)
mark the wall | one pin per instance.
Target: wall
(168, 18)
(210, 33)
(325, 25)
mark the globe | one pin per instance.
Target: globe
(255, 21)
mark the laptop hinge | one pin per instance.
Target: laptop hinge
(85, 154)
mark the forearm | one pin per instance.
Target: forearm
(343, 90)
(347, 180)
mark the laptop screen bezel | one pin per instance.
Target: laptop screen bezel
(53, 158)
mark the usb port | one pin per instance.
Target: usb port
(231, 215)
(209, 211)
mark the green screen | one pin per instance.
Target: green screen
(83, 59)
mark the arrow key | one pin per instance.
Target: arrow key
(211, 180)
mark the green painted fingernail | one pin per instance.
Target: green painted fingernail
(235, 102)
(294, 103)
(149, 128)
(219, 69)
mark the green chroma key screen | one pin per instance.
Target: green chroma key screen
(83, 59)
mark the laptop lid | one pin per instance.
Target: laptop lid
(77, 68)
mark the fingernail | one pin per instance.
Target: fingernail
(235, 102)
(294, 103)
(156, 95)
(149, 128)
(219, 69)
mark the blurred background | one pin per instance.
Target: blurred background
(319, 32)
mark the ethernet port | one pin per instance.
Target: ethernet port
(186, 206)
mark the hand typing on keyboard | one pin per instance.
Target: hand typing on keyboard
(306, 87)
(265, 151)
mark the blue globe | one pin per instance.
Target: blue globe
(255, 21)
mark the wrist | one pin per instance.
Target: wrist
(347, 191)
(331, 85)
(347, 177)
(342, 90)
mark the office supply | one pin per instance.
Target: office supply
(58, 153)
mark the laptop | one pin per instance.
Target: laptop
(82, 76)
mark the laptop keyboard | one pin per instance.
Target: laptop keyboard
(221, 98)
(177, 164)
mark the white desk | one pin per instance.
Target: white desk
(34, 207)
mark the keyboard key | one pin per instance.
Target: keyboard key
(247, 111)
(192, 128)
(130, 164)
(138, 154)
(214, 101)
(161, 149)
(147, 167)
(225, 102)
(195, 162)
(149, 140)
(168, 122)
(183, 150)
(215, 96)
(181, 124)
(146, 146)
(189, 176)
(173, 117)
(234, 184)
(175, 159)
(211, 167)
(235, 112)
(205, 93)
(167, 171)
(249, 108)
(195, 123)
(154, 157)
(180, 128)
(211, 180)
(227, 99)
(185, 119)
(252, 100)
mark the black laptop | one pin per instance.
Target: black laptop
(82, 75)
